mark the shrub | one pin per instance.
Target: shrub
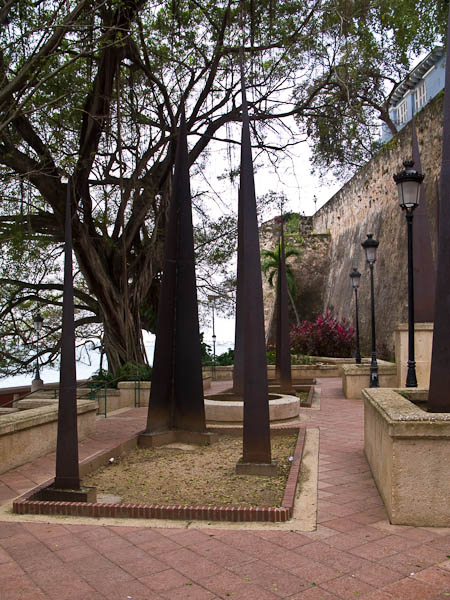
(296, 359)
(302, 359)
(222, 360)
(127, 372)
(225, 359)
(323, 337)
(271, 356)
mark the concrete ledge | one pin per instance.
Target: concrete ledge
(134, 393)
(221, 373)
(357, 377)
(28, 434)
(329, 368)
(232, 411)
(161, 438)
(18, 421)
(408, 451)
(137, 393)
(24, 505)
(300, 372)
(262, 469)
(423, 342)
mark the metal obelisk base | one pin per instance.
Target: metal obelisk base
(265, 469)
(160, 438)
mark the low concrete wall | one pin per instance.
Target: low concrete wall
(134, 393)
(28, 434)
(137, 393)
(423, 342)
(222, 373)
(331, 368)
(357, 377)
(226, 411)
(409, 453)
(300, 372)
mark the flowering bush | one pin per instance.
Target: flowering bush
(323, 337)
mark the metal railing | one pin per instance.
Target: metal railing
(98, 390)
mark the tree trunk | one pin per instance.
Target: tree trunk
(297, 318)
(123, 345)
(119, 310)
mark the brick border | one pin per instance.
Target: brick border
(26, 506)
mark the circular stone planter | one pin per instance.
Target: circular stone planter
(281, 408)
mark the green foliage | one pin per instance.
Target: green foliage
(296, 359)
(222, 360)
(374, 42)
(205, 349)
(271, 356)
(127, 372)
(226, 358)
(98, 98)
(302, 359)
(270, 261)
(292, 223)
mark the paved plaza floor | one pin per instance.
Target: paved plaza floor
(353, 553)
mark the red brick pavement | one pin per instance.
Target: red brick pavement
(355, 552)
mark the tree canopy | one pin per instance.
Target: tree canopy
(91, 90)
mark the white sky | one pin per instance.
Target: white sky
(292, 178)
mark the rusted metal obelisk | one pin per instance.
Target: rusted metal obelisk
(283, 348)
(256, 455)
(439, 395)
(238, 362)
(176, 408)
(66, 486)
(424, 267)
(67, 470)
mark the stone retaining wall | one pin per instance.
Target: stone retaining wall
(408, 451)
(28, 434)
(368, 203)
(355, 377)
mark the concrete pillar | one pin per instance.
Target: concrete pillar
(423, 342)
(36, 384)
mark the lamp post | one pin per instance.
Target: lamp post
(408, 186)
(37, 382)
(213, 299)
(370, 247)
(355, 276)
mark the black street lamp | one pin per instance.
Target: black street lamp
(355, 276)
(213, 299)
(370, 247)
(408, 185)
(38, 320)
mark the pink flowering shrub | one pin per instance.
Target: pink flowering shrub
(323, 337)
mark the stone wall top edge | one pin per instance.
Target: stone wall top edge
(38, 416)
(417, 327)
(131, 384)
(401, 135)
(404, 418)
(383, 369)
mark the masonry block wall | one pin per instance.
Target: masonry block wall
(310, 271)
(368, 204)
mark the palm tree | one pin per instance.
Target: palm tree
(269, 267)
